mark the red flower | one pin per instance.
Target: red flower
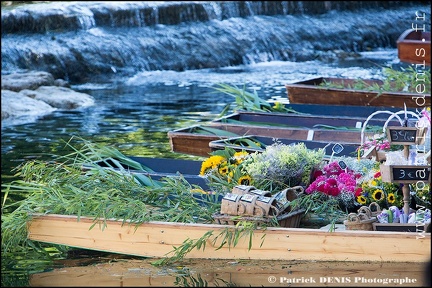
(358, 192)
(377, 174)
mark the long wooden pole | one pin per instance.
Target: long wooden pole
(406, 190)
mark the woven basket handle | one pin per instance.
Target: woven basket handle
(353, 217)
(375, 208)
(365, 210)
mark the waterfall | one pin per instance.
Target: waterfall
(78, 41)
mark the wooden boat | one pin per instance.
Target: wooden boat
(310, 92)
(158, 239)
(414, 47)
(158, 168)
(242, 144)
(194, 140)
(298, 127)
(291, 126)
(223, 273)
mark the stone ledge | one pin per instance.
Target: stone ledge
(38, 93)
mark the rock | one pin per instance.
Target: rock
(63, 97)
(61, 83)
(31, 80)
(15, 104)
(38, 93)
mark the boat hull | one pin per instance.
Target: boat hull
(186, 141)
(157, 239)
(414, 47)
(309, 92)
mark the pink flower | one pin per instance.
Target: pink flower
(333, 180)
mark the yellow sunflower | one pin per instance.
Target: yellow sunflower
(244, 180)
(391, 198)
(211, 163)
(240, 156)
(361, 199)
(223, 170)
(378, 195)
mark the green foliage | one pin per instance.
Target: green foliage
(320, 204)
(405, 80)
(248, 101)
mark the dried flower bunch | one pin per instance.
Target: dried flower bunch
(282, 165)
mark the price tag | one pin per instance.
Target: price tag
(404, 135)
(405, 173)
(342, 165)
(402, 173)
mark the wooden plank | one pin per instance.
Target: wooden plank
(308, 92)
(255, 273)
(156, 239)
(345, 110)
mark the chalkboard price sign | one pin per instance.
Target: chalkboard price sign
(405, 173)
(403, 135)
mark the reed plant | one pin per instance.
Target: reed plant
(248, 101)
(403, 80)
(76, 184)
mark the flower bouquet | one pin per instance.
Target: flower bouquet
(276, 168)
(373, 189)
(380, 143)
(224, 169)
(339, 181)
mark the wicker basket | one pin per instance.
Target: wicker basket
(287, 220)
(360, 221)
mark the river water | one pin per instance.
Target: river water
(133, 113)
